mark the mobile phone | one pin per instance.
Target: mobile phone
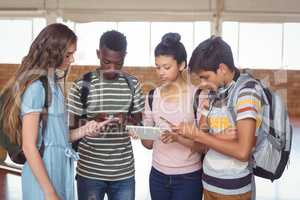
(167, 121)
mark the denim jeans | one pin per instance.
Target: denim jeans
(92, 189)
(175, 187)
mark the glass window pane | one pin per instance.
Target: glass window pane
(230, 34)
(185, 29)
(260, 45)
(15, 40)
(202, 32)
(138, 39)
(291, 45)
(68, 23)
(38, 25)
(88, 40)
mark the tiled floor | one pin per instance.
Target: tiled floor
(286, 188)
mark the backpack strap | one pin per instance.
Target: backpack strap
(195, 109)
(44, 114)
(85, 90)
(129, 80)
(132, 87)
(150, 98)
(84, 93)
(196, 104)
(244, 81)
(269, 99)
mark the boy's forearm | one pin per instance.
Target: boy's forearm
(227, 147)
(234, 148)
(224, 136)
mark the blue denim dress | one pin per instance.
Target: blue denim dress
(58, 155)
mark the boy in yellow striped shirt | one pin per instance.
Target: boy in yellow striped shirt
(226, 173)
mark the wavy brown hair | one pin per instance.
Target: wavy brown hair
(46, 53)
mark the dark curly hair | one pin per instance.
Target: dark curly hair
(113, 40)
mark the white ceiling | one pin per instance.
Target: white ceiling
(160, 10)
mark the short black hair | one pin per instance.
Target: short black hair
(113, 40)
(209, 54)
(170, 45)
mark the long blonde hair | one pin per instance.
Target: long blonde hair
(46, 53)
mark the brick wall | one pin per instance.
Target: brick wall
(283, 81)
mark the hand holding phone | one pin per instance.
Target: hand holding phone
(167, 121)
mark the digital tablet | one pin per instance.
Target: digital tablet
(145, 132)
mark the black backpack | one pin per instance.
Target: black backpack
(15, 150)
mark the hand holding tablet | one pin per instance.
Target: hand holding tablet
(145, 132)
(149, 132)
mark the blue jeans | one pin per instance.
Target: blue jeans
(175, 187)
(92, 189)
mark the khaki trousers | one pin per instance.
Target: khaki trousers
(216, 196)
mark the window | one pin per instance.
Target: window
(202, 31)
(37, 25)
(88, 40)
(291, 45)
(260, 45)
(138, 37)
(142, 38)
(263, 45)
(230, 33)
(16, 37)
(185, 29)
